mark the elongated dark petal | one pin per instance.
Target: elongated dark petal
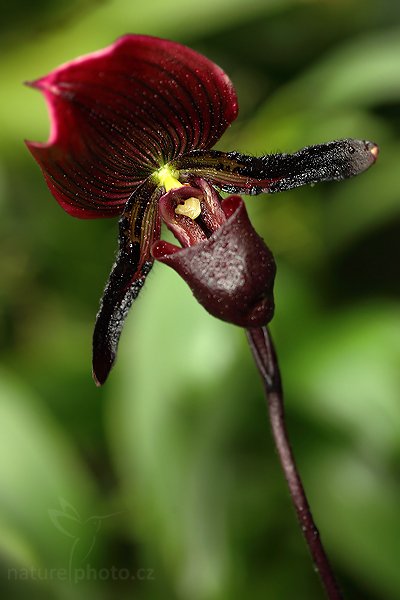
(139, 227)
(239, 173)
(119, 114)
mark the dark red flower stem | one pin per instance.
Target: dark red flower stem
(265, 357)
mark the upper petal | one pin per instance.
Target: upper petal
(119, 114)
(239, 173)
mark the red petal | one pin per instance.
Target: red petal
(119, 114)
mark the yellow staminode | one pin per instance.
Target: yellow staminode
(168, 179)
(190, 208)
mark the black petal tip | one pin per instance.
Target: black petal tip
(355, 156)
(100, 372)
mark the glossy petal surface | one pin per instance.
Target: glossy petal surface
(119, 114)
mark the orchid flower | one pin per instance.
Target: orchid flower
(137, 120)
(132, 132)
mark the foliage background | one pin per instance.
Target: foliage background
(175, 452)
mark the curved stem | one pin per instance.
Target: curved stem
(265, 357)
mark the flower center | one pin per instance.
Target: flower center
(192, 211)
(167, 177)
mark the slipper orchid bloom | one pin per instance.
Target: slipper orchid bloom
(132, 131)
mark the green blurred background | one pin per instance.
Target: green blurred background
(165, 484)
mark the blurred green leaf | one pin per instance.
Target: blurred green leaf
(360, 520)
(39, 466)
(346, 373)
(167, 413)
(338, 88)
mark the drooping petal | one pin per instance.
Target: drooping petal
(239, 173)
(119, 114)
(231, 273)
(139, 227)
